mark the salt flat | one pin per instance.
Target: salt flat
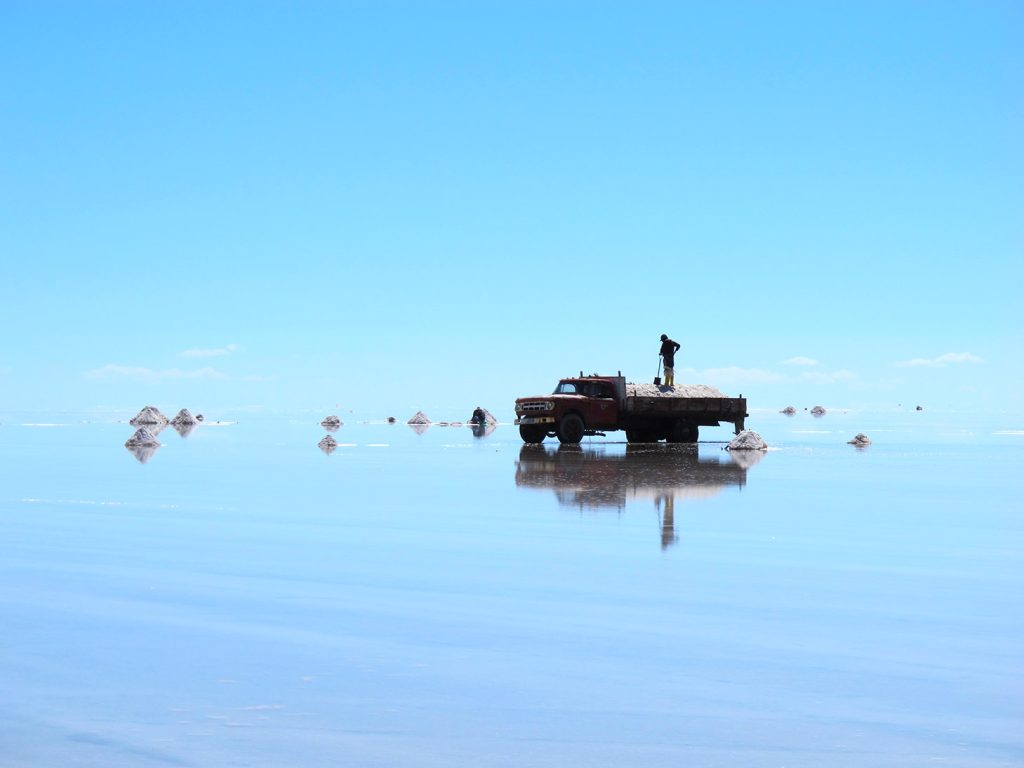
(243, 598)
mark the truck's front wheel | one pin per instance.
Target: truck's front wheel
(570, 429)
(531, 433)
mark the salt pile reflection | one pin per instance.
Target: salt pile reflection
(594, 479)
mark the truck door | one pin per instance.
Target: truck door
(601, 408)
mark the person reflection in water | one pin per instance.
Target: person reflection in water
(668, 519)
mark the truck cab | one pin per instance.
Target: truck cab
(580, 405)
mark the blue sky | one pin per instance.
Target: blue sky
(391, 206)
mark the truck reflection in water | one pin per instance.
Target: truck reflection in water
(593, 479)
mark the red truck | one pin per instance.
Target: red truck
(593, 405)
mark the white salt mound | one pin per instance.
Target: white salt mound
(679, 390)
(142, 437)
(148, 416)
(331, 422)
(860, 440)
(419, 418)
(818, 410)
(183, 418)
(789, 410)
(747, 440)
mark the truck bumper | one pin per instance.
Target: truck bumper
(535, 420)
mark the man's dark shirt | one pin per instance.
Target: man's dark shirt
(668, 351)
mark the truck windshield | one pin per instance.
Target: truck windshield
(567, 388)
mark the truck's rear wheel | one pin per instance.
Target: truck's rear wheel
(683, 432)
(570, 429)
(532, 433)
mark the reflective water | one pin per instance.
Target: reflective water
(238, 596)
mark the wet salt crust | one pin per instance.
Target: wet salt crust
(242, 599)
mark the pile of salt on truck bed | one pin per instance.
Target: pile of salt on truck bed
(594, 405)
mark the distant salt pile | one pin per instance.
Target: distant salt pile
(747, 440)
(149, 416)
(331, 422)
(919, 408)
(817, 411)
(789, 410)
(328, 444)
(142, 438)
(860, 440)
(183, 417)
(420, 418)
(392, 419)
(679, 390)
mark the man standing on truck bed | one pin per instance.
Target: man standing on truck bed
(668, 353)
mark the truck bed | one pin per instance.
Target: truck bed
(705, 404)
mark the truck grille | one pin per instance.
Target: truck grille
(536, 406)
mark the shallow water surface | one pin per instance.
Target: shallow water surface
(239, 597)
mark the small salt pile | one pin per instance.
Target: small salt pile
(419, 418)
(747, 440)
(331, 422)
(919, 408)
(392, 419)
(328, 444)
(142, 437)
(861, 440)
(817, 411)
(183, 417)
(789, 410)
(149, 416)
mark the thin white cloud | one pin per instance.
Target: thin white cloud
(227, 349)
(806, 362)
(822, 377)
(150, 375)
(950, 358)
